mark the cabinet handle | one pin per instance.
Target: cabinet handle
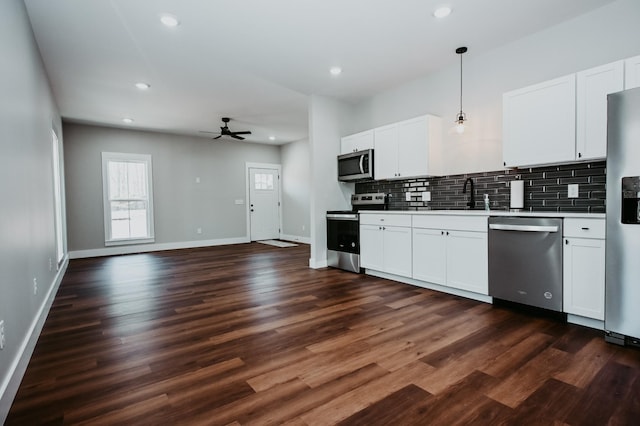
(579, 155)
(504, 163)
(447, 232)
(441, 232)
(585, 229)
(566, 241)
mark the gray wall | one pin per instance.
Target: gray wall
(27, 237)
(601, 36)
(295, 189)
(329, 119)
(180, 204)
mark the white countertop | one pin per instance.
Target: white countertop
(488, 213)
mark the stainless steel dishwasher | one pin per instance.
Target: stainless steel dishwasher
(525, 260)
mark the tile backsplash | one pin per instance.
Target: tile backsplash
(545, 189)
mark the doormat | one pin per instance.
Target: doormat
(277, 243)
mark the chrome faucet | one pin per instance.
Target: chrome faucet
(471, 203)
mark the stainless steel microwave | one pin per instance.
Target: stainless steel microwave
(356, 166)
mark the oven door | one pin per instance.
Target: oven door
(343, 232)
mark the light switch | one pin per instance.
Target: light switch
(197, 180)
(572, 190)
(426, 196)
(239, 202)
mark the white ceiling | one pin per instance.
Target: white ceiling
(256, 61)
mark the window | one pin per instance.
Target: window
(263, 181)
(57, 199)
(128, 198)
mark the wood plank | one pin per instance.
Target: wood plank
(248, 334)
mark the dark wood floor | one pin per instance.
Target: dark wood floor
(247, 334)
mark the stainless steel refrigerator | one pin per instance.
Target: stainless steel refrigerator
(622, 294)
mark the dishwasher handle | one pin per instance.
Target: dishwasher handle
(523, 228)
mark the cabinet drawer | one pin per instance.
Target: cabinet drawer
(584, 228)
(386, 219)
(458, 223)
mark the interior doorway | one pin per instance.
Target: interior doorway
(264, 202)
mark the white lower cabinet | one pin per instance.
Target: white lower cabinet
(583, 267)
(455, 255)
(385, 243)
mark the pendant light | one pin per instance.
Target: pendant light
(462, 117)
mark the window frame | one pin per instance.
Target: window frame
(132, 158)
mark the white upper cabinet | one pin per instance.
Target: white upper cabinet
(385, 154)
(403, 149)
(632, 72)
(357, 142)
(539, 123)
(593, 86)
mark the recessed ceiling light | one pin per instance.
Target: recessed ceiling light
(143, 86)
(442, 12)
(169, 20)
(272, 138)
(127, 120)
(335, 70)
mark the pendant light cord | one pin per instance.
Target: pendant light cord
(461, 83)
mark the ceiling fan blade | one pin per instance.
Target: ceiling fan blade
(246, 132)
(233, 135)
(218, 137)
(205, 131)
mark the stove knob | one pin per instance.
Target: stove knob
(353, 244)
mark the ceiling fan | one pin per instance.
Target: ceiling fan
(224, 131)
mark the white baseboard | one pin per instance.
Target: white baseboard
(11, 383)
(586, 322)
(431, 286)
(295, 238)
(317, 264)
(145, 248)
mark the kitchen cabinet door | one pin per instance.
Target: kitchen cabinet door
(357, 142)
(371, 247)
(386, 152)
(467, 261)
(583, 277)
(593, 86)
(413, 147)
(539, 123)
(429, 256)
(632, 72)
(397, 250)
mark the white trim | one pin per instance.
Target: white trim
(456, 292)
(9, 387)
(247, 167)
(318, 264)
(295, 238)
(145, 248)
(586, 322)
(106, 204)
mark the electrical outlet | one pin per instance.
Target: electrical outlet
(407, 196)
(35, 286)
(572, 190)
(197, 180)
(426, 196)
(2, 339)
(199, 231)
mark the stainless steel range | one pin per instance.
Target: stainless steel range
(343, 231)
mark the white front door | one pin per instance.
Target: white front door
(264, 203)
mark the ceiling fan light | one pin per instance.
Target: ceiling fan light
(143, 86)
